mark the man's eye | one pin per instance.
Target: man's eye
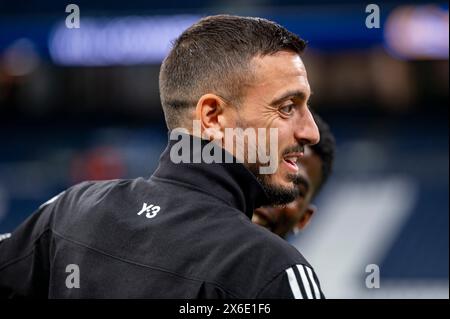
(287, 109)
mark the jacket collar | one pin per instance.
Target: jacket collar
(231, 182)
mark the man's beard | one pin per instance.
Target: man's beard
(277, 195)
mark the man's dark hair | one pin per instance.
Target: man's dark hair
(213, 56)
(325, 149)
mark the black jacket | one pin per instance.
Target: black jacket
(105, 240)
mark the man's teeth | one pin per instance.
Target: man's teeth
(292, 159)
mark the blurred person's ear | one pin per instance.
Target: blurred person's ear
(306, 217)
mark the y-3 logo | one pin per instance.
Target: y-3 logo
(151, 210)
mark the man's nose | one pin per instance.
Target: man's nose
(307, 132)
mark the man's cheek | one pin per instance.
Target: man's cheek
(268, 150)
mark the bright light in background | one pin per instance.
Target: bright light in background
(117, 41)
(418, 32)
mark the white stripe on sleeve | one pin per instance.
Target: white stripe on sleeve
(305, 281)
(316, 288)
(293, 283)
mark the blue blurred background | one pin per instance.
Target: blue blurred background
(79, 104)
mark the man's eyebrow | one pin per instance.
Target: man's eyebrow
(290, 94)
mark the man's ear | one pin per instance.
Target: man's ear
(306, 217)
(209, 111)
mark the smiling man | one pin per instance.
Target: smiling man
(277, 98)
(314, 169)
(186, 232)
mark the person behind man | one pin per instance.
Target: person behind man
(314, 169)
(186, 232)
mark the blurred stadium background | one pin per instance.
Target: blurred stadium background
(79, 104)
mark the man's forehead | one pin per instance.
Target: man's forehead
(280, 72)
(282, 62)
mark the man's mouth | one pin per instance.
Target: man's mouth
(291, 160)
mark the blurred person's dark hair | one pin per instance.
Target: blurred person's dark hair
(325, 149)
(213, 56)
